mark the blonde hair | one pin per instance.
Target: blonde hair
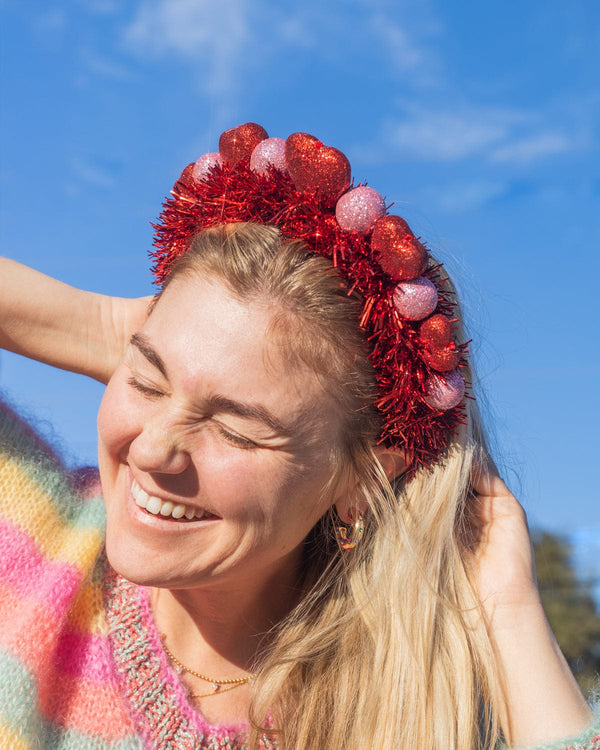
(387, 648)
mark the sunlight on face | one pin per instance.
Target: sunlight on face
(202, 416)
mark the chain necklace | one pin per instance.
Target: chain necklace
(218, 686)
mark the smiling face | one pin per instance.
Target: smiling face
(230, 452)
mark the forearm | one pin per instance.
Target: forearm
(542, 700)
(55, 323)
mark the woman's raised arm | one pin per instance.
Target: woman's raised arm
(55, 323)
(542, 702)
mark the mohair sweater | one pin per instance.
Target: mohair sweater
(81, 663)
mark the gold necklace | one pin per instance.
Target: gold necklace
(218, 686)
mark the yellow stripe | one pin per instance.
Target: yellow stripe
(88, 604)
(24, 503)
(10, 739)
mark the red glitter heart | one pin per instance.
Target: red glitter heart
(237, 144)
(314, 167)
(437, 338)
(436, 332)
(400, 254)
(187, 176)
(442, 360)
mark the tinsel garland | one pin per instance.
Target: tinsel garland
(236, 193)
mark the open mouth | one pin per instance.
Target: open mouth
(165, 508)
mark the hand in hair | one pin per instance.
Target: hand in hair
(501, 554)
(542, 702)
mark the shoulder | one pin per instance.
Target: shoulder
(60, 512)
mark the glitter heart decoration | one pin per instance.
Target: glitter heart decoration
(436, 332)
(237, 144)
(358, 209)
(444, 392)
(416, 299)
(315, 168)
(269, 153)
(400, 254)
(304, 188)
(442, 360)
(205, 163)
(439, 349)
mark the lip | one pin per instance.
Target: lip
(165, 524)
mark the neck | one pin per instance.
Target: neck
(221, 630)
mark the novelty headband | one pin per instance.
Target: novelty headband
(304, 189)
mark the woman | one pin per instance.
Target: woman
(307, 544)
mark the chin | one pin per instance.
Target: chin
(126, 563)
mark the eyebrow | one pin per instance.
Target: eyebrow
(217, 402)
(143, 345)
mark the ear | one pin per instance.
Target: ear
(350, 502)
(393, 462)
(348, 509)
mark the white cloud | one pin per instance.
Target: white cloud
(105, 68)
(464, 196)
(501, 135)
(232, 37)
(295, 30)
(91, 174)
(406, 32)
(52, 21)
(101, 7)
(195, 30)
(448, 135)
(404, 52)
(534, 147)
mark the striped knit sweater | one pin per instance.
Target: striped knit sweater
(81, 664)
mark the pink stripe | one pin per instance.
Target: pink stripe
(80, 654)
(85, 707)
(31, 574)
(31, 633)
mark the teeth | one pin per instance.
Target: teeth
(166, 508)
(153, 505)
(139, 495)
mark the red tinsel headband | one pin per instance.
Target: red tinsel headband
(304, 188)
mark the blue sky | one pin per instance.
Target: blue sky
(480, 121)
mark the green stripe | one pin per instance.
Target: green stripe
(19, 712)
(70, 740)
(18, 698)
(43, 469)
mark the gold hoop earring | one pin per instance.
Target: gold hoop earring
(341, 533)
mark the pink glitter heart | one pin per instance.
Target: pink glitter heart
(415, 299)
(358, 209)
(445, 391)
(204, 164)
(269, 153)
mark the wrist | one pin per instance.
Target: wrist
(542, 701)
(513, 606)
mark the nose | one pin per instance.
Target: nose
(158, 450)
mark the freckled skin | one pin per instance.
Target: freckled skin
(263, 489)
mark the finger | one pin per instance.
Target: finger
(486, 480)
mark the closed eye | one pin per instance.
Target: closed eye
(235, 439)
(146, 390)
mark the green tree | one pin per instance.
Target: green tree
(570, 607)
